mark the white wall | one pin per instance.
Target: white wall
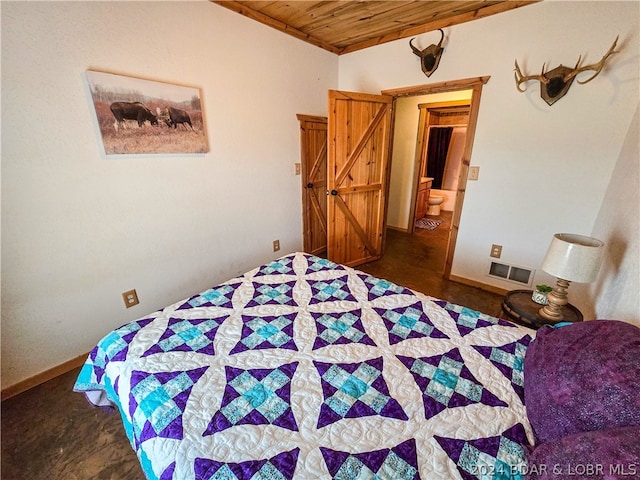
(543, 169)
(79, 228)
(616, 293)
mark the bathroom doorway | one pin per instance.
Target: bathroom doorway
(409, 147)
(441, 138)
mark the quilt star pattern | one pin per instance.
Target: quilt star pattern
(340, 328)
(445, 382)
(496, 457)
(509, 360)
(398, 463)
(302, 368)
(279, 467)
(408, 322)
(355, 390)
(467, 319)
(266, 332)
(185, 335)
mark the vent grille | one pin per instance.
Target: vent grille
(511, 273)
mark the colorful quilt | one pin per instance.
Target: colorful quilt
(306, 369)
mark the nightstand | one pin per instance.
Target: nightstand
(518, 307)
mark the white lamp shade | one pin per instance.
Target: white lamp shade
(575, 258)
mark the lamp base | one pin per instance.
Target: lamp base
(557, 300)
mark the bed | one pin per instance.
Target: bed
(306, 369)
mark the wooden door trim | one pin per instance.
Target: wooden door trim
(311, 118)
(451, 86)
(422, 122)
(364, 97)
(475, 85)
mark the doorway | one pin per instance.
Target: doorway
(440, 140)
(364, 222)
(468, 90)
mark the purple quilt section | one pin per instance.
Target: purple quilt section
(397, 463)
(379, 287)
(266, 332)
(188, 335)
(509, 360)
(499, 457)
(281, 466)
(115, 346)
(338, 328)
(353, 390)
(256, 397)
(167, 474)
(220, 296)
(282, 266)
(272, 294)
(408, 322)
(467, 320)
(336, 289)
(157, 401)
(445, 382)
(317, 264)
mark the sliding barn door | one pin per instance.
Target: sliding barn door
(313, 158)
(358, 134)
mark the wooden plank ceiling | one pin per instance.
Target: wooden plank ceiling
(348, 25)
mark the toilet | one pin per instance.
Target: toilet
(434, 203)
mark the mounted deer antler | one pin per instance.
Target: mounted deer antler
(430, 56)
(555, 83)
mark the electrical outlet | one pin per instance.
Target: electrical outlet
(276, 245)
(496, 251)
(473, 173)
(130, 298)
(297, 168)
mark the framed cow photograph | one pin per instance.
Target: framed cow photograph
(140, 117)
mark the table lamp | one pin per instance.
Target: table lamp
(570, 258)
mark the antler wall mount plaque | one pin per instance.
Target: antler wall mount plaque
(554, 84)
(430, 56)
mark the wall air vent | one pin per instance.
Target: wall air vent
(511, 273)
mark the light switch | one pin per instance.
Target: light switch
(473, 173)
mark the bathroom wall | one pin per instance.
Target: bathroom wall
(454, 158)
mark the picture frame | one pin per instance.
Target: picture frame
(137, 116)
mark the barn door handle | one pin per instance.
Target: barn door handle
(309, 185)
(334, 192)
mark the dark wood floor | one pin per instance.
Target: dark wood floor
(417, 261)
(50, 432)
